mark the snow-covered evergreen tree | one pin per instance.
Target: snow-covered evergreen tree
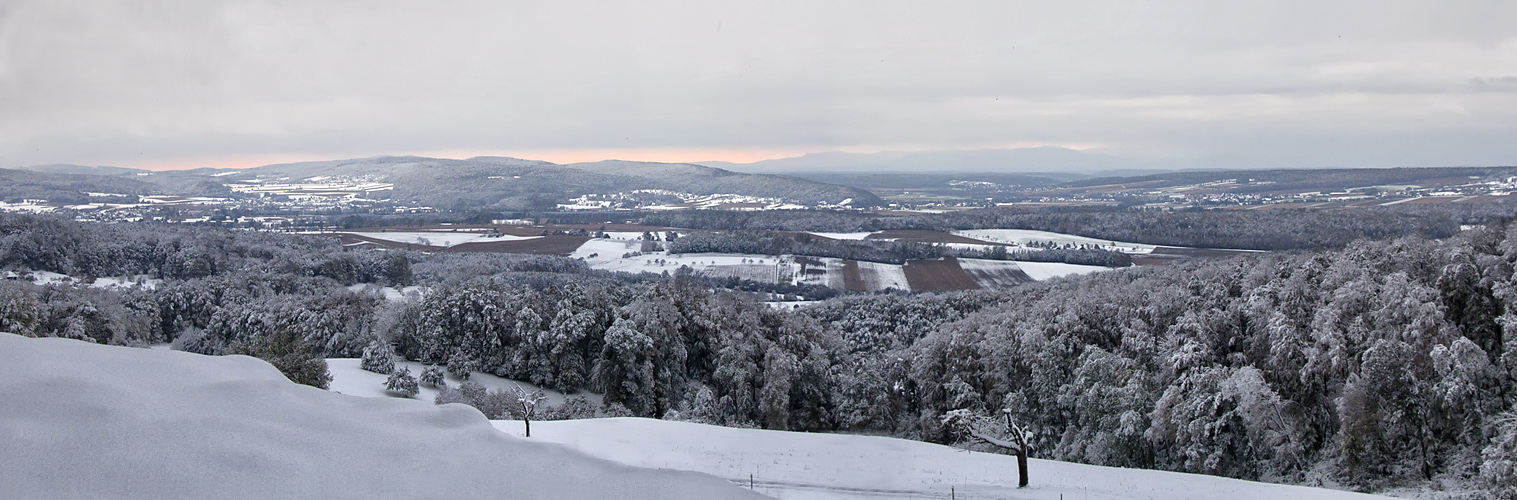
(432, 376)
(1499, 470)
(401, 382)
(460, 365)
(378, 357)
(625, 372)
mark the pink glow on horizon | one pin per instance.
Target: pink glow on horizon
(559, 156)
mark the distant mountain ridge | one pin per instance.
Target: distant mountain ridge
(1020, 160)
(490, 183)
(17, 185)
(63, 168)
(516, 184)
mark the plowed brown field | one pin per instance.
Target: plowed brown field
(852, 279)
(938, 275)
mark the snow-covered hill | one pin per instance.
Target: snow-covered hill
(491, 181)
(79, 420)
(794, 465)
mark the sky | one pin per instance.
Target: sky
(183, 84)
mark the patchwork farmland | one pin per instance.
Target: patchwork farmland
(620, 248)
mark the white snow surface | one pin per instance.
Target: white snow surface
(1048, 270)
(628, 235)
(141, 280)
(1036, 270)
(81, 420)
(52, 278)
(389, 293)
(441, 238)
(606, 254)
(1022, 237)
(348, 377)
(843, 236)
(878, 276)
(806, 466)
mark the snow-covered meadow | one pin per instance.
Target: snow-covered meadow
(440, 238)
(879, 276)
(52, 278)
(82, 420)
(811, 466)
(1041, 271)
(1025, 237)
(843, 236)
(348, 378)
(610, 255)
(817, 466)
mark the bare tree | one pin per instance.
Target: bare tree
(990, 430)
(528, 402)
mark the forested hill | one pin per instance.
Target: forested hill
(507, 183)
(16, 185)
(702, 179)
(481, 183)
(1284, 179)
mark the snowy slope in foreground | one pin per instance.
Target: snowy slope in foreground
(794, 465)
(85, 421)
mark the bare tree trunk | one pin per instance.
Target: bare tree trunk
(1022, 467)
(529, 426)
(1427, 467)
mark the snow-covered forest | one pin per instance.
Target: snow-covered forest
(1384, 364)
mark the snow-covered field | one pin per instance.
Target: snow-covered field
(141, 280)
(879, 276)
(441, 238)
(606, 254)
(804, 466)
(626, 235)
(844, 236)
(1025, 236)
(89, 421)
(389, 293)
(1048, 270)
(52, 278)
(27, 206)
(81, 420)
(348, 378)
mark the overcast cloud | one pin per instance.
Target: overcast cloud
(1296, 84)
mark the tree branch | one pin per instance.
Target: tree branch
(1013, 446)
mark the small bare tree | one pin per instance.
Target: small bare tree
(990, 430)
(528, 402)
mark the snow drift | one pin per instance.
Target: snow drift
(89, 421)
